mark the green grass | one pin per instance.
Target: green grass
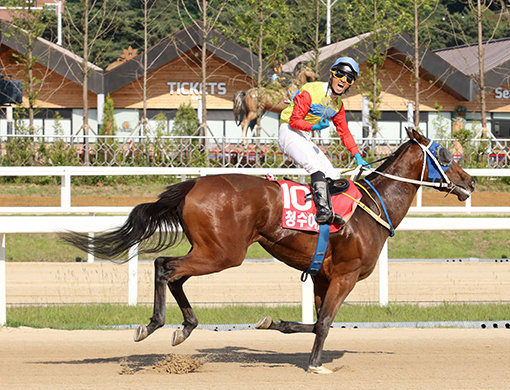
(405, 244)
(104, 315)
(483, 244)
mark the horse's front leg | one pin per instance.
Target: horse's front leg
(335, 295)
(162, 273)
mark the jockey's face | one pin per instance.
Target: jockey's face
(339, 85)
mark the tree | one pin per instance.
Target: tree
(422, 12)
(480, 22)
(481, 8)
(263, 26)
(152, 11)
(86, 22)
(308, 35)
(27, 25)
(384, 20)
(206, 21)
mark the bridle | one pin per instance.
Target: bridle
(437, 158)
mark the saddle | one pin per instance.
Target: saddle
(299, 210)
(335, 187)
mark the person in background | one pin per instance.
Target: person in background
(277, 71)
(311, 109)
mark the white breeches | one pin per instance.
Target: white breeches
(298, 145)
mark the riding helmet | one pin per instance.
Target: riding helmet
(347, 65)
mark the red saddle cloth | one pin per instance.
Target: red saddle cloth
(299, 208)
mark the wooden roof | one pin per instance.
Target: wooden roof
(68, 64)
(400, 48)
(173, 47)
(55, 58)
(496, 60)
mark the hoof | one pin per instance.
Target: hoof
(319, 370)
(178, 337)
(264, 323)
(141, 333)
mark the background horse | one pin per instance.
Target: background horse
(223, 215)
(274, 99)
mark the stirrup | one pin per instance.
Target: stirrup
(330, 218)
(338, 220)
(325, 218)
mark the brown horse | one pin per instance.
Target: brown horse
(274, 99)
(223, 215)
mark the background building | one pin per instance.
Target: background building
(449, 96)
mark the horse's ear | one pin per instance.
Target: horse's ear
(414, 134)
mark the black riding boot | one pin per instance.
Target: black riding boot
(322, 201)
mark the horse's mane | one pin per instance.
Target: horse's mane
(390, 159)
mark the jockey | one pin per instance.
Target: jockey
(311, 109)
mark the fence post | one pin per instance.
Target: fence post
(307, 303)
(90, 256)
(133, 275)
(65, 190)
(383, 275)
(3, 299)
(419, 195)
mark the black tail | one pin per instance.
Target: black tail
(238, 107)
(143, 221)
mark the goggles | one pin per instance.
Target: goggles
(340, 75)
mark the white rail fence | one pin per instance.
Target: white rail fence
(90, 224)
(68, 172)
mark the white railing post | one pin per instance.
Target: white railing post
(3, 298)
(90, 256)
(133, 276)
(65, 190)
(383, 275)
(307, 301)
(419, 195)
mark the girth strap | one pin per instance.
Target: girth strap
(320, 252)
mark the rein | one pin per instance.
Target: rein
(427, 154)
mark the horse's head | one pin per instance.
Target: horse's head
(303, 74)
(440, 167)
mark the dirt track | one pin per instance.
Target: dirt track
(255, 359)
(362, 359)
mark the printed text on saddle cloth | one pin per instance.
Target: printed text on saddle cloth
(299, 209)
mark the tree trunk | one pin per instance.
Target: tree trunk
(31, 86)
(259, 70)
(416, 70)
(145, 46)
(85, 125)
(204, 68)
(481, 70)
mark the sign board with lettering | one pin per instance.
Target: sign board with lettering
(179, 82)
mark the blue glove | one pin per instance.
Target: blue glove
(323, 124)
(360, 161)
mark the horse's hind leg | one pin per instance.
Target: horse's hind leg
(190, 320)
(291, 326)
(162, 272)
(285, 326)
